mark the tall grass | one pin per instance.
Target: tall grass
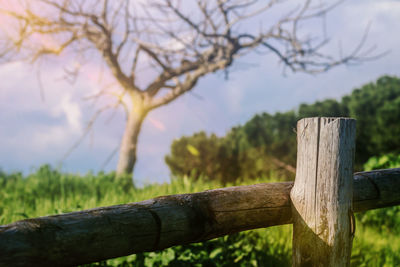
(47, 191)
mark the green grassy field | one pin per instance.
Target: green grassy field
(47, 191)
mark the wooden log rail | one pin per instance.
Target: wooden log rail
(102, 233)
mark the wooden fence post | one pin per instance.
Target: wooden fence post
(323, 224)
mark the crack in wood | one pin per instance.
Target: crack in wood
(316, 172)
(159, 226)
(378, 191)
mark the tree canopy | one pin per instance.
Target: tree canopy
(266, 144)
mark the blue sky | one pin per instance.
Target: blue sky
(35, 131)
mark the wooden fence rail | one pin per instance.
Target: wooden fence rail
(108, 232)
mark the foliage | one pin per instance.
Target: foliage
(372, 247)
(199, 152)
(325, 108)
(47, 191)
(383, 162)
(267, 143)
(376, 106)
(274, 133)
(246, 152)
(241, 249)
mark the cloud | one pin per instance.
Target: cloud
(383, 11)
(33, 127)
(72, 112)
(356, 15)
(20, 92)
(50, 137)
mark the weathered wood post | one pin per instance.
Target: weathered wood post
(323, 223)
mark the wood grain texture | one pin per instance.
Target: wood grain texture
(322, 192)
(107, 232)
(103, 233)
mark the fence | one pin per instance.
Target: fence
(319, 204)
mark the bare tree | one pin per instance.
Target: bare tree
(177, 41)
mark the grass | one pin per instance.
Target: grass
(47, 191)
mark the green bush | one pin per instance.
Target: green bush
(383, 162)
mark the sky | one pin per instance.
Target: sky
(39, 124)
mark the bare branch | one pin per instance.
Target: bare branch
(190, 81)
(127, 31)
(154, 56)
(104, 12)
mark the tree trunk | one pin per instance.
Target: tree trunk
(127, 152)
